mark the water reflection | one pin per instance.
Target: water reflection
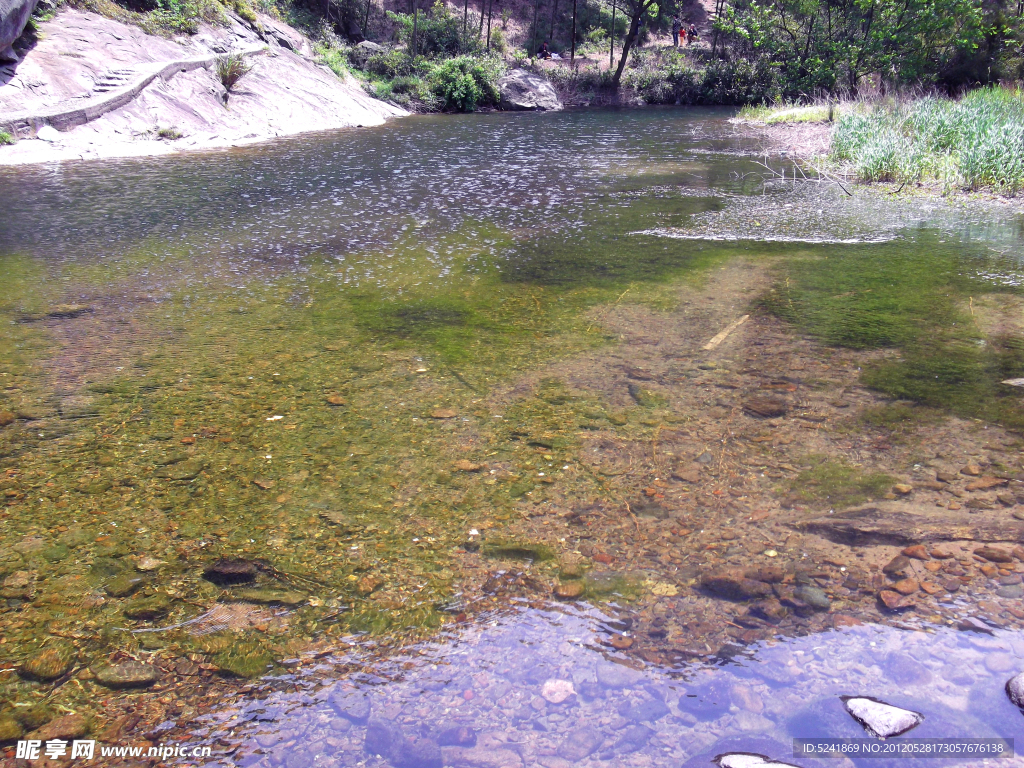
(541, 685)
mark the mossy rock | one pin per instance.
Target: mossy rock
(269, 596)
(76, 537)
(48, 663)
(148, 608)
(245, 659)
(518, 551)
(31, 718)
(10, 730)
(123, 586)
(106, 567)
(56, 553)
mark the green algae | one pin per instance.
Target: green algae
(919, 301)
(838, 484)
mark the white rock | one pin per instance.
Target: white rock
(48, 133)
(880, 719)
(557, 691)
(748, 760)
(1015, 689)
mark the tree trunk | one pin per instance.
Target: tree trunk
(533, 43)
(572, 49)
(634, 26)
(366, 18)
(611, 36)
(465, 18)
(551, 32)
(490, 9)
(415, 25)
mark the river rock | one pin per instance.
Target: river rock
(123, 586)
(557, 691)
(363, 51)
(880, 719)
(569, 590)
(353, 705)
(732, 583)
(14, 15)
(649, 710)
(66, 727)
(766, 407)
(580, 743)
(618, 676)
(813, 596)
(748, 760)
(48, 663)
(388, 740)
(148, 608)
(10, 730)
(994, 554)
(130, 674)
(521, 90)
(459, 736)
(1015, 690)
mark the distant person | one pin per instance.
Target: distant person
(544, 52)
(691, 35)
(677, 27)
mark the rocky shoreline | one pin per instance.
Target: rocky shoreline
(184, 108)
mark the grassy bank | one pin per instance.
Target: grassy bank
(972, 143)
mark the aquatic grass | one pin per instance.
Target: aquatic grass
(837, 483)
(974, 143)
(912, 300)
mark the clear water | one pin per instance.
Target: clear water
(253, 354)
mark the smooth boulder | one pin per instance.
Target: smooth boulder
(880, 719)
(1015, 690)
(524, 90)
(14, 15)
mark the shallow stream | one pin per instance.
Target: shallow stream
(461, 389)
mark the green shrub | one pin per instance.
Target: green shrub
(389, 64)
(232, 68)
(335, 59)
(6, 138)
(464, 83)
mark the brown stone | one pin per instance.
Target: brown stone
(6, 417)
(443, 413)
(369, 584)
(897, 566)
(770, 574)
(984, 483)
(938, 554)
(951, 585)
(569, 590)
(841, 620)
(933, 566)
(916, 552)
(902, 489)
(766, 407)
(930, 587)
(733, 583)
(906, 586)
(989, 570)
(463, 465)
(994, 554)
(66, 727)
(336, 400)
(770, 610)
(971, 469)
(620, 642)
(894, 601)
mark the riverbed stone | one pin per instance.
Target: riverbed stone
(353, 705)
(580, 743)
(523, 90)
(148, 608)
(123, 586)
(128, 674)
(67, 727)
(47, 663)
(733, 584)
(618, 676)
(813, 596)
(1015, 690)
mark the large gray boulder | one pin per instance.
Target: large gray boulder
(525, 90)
(13, 18)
